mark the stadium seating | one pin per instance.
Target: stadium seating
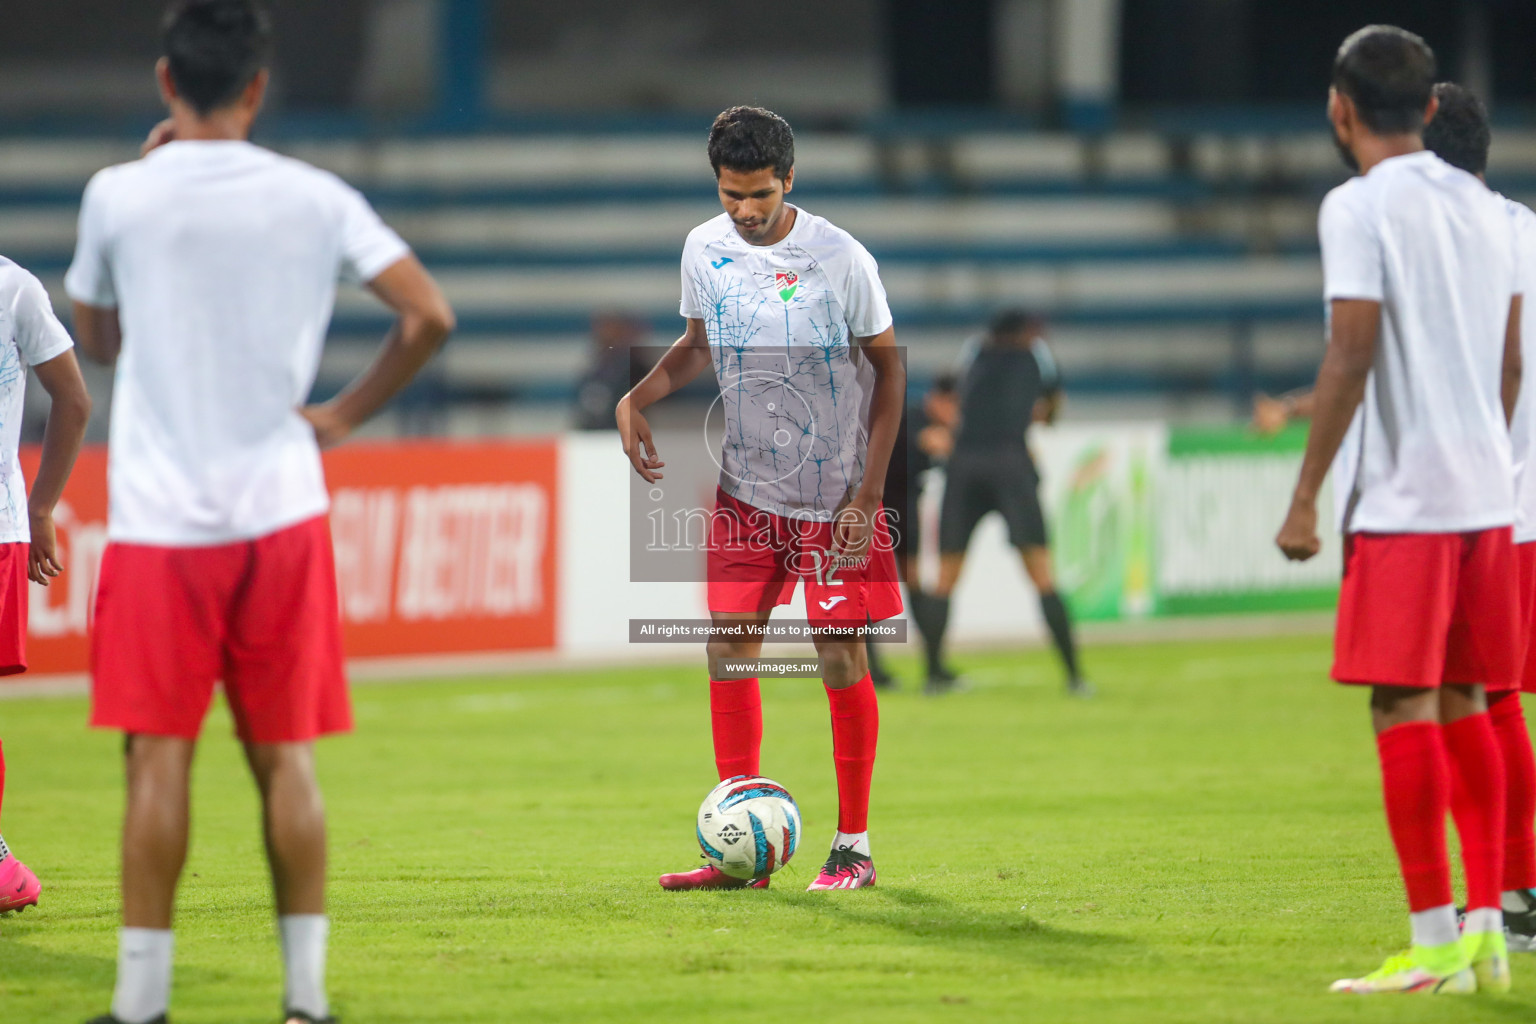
(1177, 264)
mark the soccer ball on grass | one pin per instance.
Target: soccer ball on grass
(749, 826)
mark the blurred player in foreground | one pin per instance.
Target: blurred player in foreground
(207, 273)
(926, 438)
(1011, 383)
(30, 337)
(1459, 134)
(1411, 406)
(790, 311)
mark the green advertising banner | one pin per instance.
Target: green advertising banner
(1099, 491)
(1151, 520)
(1222, 496)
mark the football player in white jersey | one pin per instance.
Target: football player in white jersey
(1460, 135)
(206, 272)
(790, 312)
(30, 337)
(1412, 404)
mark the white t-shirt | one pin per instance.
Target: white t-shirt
(29, 334)
(222, 260)
(782, 321)
(1428, 451)
(1522, 428)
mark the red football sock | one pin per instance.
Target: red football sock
(736, 716)
(855, 730)
(1477, 803)
(1416, 784)
(1520, 785)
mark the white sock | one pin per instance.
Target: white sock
(304, 939)
(1513, 901)
(1485, 919)
(143, 974)
(858, 840)
(1435, 926)
(5, 851)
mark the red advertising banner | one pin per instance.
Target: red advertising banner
(60, 614)
(441, 548)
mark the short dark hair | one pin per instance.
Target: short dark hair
(215, 48)
(1388, 72)
(1011, 322)
(749, 139)
(945, 384)
(1459, 133)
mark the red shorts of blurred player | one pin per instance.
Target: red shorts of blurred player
(1525, 566)
(261, 615)
(756, 557)
(14, 592)
(1422, 609)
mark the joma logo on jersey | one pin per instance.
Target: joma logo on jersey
(787, 282)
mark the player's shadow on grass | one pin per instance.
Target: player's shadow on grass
(82, 981)
(929, 920)
(45, 970)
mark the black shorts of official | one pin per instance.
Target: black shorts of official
(976, 483)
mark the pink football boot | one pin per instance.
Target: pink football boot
(19, 887)
(709, 877)
(845, 868)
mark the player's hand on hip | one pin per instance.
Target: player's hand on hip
(1298, 538)
(853, 529)
(330, 429)
(635, 433)
(158, 136)
(42, 556)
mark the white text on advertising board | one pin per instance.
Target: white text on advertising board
(440, 552)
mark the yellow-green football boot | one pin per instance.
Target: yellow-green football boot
(1489, 953)
(1443, 970)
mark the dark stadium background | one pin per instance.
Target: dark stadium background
(1195, 124)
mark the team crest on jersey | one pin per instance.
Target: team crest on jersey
(787, 282)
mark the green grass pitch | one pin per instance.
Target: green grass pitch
(1203, 842)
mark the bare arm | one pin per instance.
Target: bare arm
(1048, 407)
(1340, 388)
(685, 360)
(68, 415)
(424, 323)
(1514, 367)
(854, 530)
(98, 333)
(885, 410)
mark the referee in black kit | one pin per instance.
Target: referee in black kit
(926, 437)
(1011, 383)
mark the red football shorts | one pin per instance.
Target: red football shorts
(1525, 567)
(755, 559)
(262, 615)
(1421, 609)
(14, 593)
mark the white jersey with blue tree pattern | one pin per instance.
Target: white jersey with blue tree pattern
(783, 323)
(30, 334)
